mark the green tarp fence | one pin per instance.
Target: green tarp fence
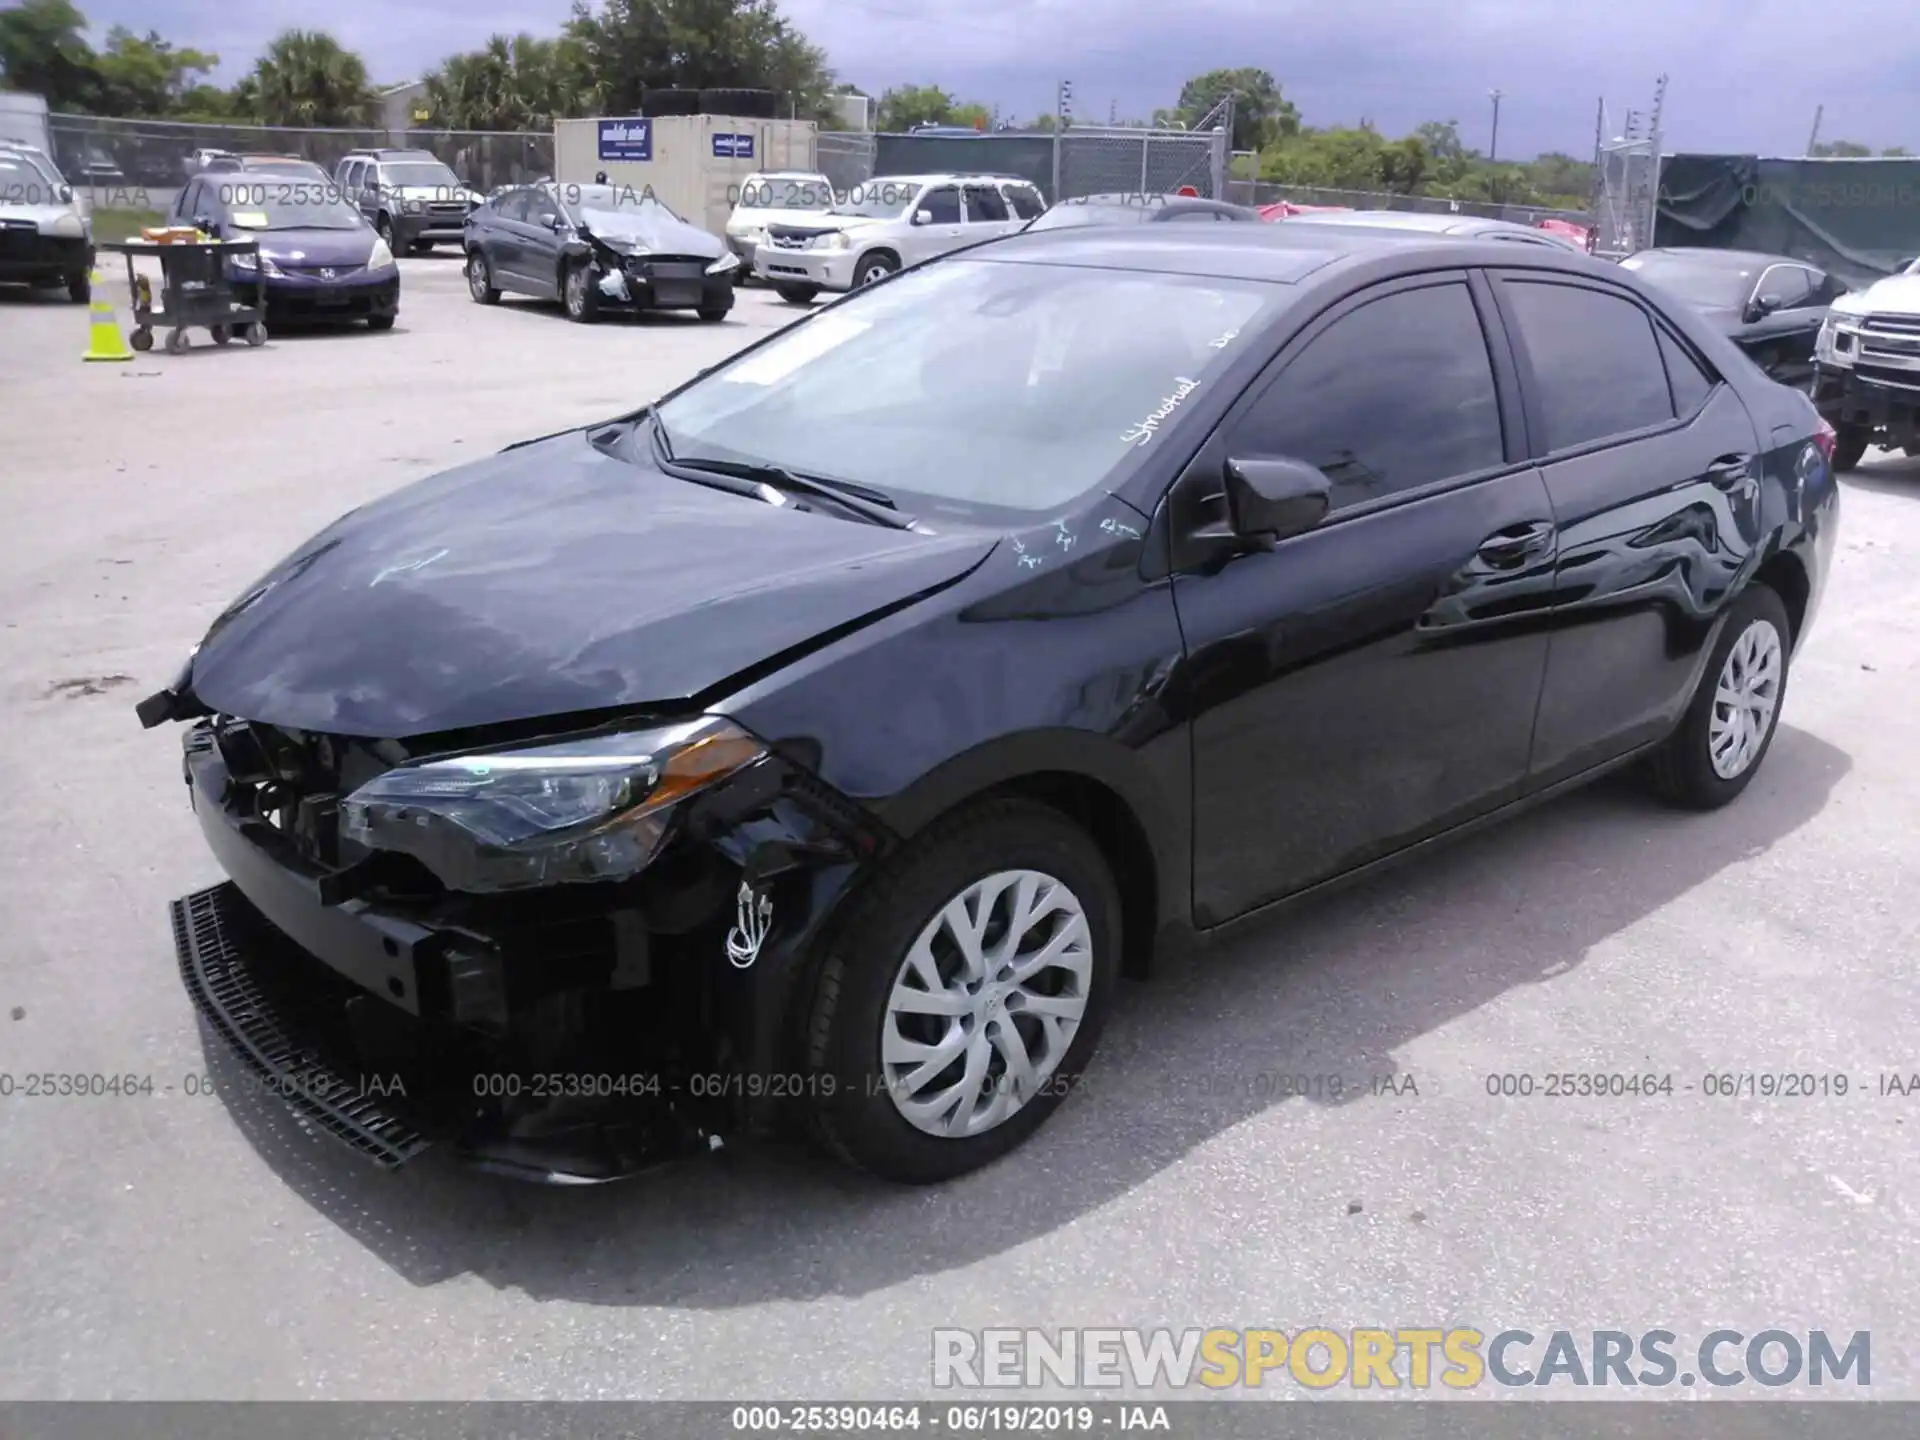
(1855, 219)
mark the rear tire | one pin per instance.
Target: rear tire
(1850, 446)
(480, 279)
(80, 288)
(1683, 770)
(855, 1028)
(797, 294)
(380, 322)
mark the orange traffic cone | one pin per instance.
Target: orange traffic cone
(104, 340)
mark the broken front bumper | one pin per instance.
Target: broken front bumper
(571, 1035)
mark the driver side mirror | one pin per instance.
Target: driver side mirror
(1760, 307)
(923, 217)
(1270, 500)
(550, 220)
(203, 224)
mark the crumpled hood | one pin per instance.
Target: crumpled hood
(651, 228)
(545, 580)
(1899, 294)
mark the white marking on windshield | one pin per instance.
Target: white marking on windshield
(1140, 433)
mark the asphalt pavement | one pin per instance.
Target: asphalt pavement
(183, 1245)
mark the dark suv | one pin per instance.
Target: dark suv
(411, 197)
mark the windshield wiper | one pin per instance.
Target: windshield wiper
(870, 505)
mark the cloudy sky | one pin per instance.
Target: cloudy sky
(1744, 75)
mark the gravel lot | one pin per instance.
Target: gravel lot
(188, 1247)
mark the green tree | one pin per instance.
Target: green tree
(44, 50)
(977, 116)
(1896, 151)
(522, 83)
(905, 106)
(306, 78)
(146, 76)
(1261, 115)
(1841, 149)
(627, 47)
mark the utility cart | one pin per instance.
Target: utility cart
(195, 291)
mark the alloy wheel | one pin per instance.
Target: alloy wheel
(986, 1004)
(477, 276)
(577, 290)
(1744, 700)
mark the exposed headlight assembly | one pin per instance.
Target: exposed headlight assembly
(575, 811)
(381, 256)
(71, 226)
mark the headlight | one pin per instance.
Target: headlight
(248, 263)
(592, 809)
(726, 262)
(68, 225)
(381, 257)
(1826, 345)
(836, 241)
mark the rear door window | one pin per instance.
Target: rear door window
(1597, 368)
(1025, 200)
(986, 205)
(943, 205)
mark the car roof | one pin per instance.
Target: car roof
(1735, 259)
(1426, 220)
(1282, 254)
(947, 177)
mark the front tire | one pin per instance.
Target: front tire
(964, 995)
(1850, 446)
(577, 289)
(384, 228)
(80, 288)
(875, 268)
(380, 322)
(1730, 723)
(797, 294)
(713, 314)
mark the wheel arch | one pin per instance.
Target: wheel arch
(875, 253)
(1785, 574)
(1099, 785)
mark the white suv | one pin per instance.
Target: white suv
(46, 230)
(889, 222)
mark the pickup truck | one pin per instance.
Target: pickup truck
(1867, 367)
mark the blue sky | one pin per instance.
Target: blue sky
(1744, 75)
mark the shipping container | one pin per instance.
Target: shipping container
(23, 120)
(695, 164)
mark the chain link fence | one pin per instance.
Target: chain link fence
(1263, 192)
(1096, 161)
(845, 157)
(157, 156)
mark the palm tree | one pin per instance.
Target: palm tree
(522, 83)
(307, 79)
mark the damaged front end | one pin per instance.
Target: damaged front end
(571, 956)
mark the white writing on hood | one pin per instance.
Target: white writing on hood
(1143, 431)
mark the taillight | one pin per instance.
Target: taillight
(1824, 437)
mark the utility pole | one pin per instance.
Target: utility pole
(1113, 111)
(1064, 117)
(1493, 145)
(1813, 140)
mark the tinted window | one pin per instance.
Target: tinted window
(943, 204)
(1026, 201)
(1195, 215)
(1828, 290)
(985, 203)
(1786, 286)
(1595, 362)
(1396, 394)
(1691, 384)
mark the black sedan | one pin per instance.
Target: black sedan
(1771, 306)
(1136, 209)
(823, 742)
(596, 247)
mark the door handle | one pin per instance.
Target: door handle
(1516, 543)
(1731, 472)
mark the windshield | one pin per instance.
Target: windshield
(1714, 285)
(974, 384)
(614, 209)
(287, 205)
(877, 200)
(425, 172)
(811, 192)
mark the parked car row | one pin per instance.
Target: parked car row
(716, 770)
